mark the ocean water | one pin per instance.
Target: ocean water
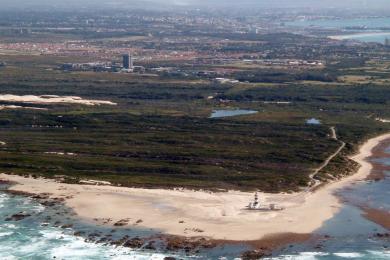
(371, 28)
(31, 239)
(367, 23)
(379, 37)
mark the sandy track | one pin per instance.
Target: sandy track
(314, 181)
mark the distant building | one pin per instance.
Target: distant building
(226, 81)
(387, 42)
(131, 62)
(91, 66)
(139, 69)
(128, 61)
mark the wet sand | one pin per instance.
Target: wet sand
(378, 171)
(378, 216)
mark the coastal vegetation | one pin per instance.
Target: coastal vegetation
(160, 133)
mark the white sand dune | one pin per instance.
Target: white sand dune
(21, 107)
(218, 215)
(383, 120)
(49, 99)
(61, 153)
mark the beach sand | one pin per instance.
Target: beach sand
(199, 213)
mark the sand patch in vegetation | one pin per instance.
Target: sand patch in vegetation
(21, 107)
(50, 99)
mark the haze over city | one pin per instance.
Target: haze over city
(153, 4)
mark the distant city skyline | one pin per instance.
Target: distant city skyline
(151, 4)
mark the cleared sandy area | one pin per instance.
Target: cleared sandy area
(383, 120)
(61, 153)
(50, 99)
(199, 213)
(21, 107)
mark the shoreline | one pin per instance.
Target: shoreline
(378, 171)
(357, 35)
(216, 216)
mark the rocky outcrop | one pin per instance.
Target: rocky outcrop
(134, 243)
(120, 241)
(18, 216)
(255, 254)
(189, 245)
(382, 235)
(122, 222)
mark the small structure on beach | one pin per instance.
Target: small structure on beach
(255, 205)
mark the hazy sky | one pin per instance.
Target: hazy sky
(216, 3)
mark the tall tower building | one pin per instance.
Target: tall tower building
(126, 61)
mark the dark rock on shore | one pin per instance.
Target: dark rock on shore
(41, 196)
(169, 258)
(255, 254)
(122, 222)
(188, 244)
(48, 203)
(94, 235)
(380, 235)
(4, 182)
(102, 240)
(18, 216)
(79, 233)
(20, 193)
(120, 241)
(151, 245)
(67, 226)
(134, 243)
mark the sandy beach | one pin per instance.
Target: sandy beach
(200, 213)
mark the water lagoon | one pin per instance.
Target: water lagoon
(231, 112)
(313, 121)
